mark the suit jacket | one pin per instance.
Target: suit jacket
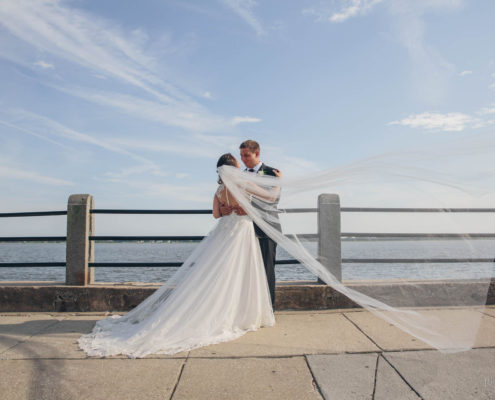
(266, 170)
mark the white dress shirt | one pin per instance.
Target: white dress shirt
(256, 168)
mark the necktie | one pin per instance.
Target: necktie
(251, 169)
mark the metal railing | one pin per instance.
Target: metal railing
(329, 235)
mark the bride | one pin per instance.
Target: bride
(218, 294)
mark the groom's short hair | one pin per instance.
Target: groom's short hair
(252, 145)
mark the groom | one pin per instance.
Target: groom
(250, 156)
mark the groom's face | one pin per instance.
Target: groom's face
(249, 158)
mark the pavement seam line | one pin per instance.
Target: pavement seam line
(315, 382)
(29, 337)
(376, 374)
(262, 356)
(236, 358)
(180, 376)
(402, 377)
(363, 332)
(484, 313)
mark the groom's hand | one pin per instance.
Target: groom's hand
(239, 210)
(225, 210)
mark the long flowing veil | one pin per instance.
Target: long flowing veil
(424, 179)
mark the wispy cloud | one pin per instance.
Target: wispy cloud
(185, 149)
(136, 170)
(78, 37)
(242, 120)
(347, 9)
(487, 110)
(44, 64)
(244, 9)
(464, 73)
(46, 128)
(104, 49)
(449, 122)
(197, 146)
(492, 86)
(430, 71)
(10, 172)
(199, 193)
(190, 116)
(436, 121)
(28, 131)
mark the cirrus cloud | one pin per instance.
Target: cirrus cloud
(350, 8)
(44, 64)
(453, 122)
(241, 120)
(244, 8)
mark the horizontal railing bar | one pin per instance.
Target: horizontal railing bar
(279, 262)
(34, 239)
(287, 210)
(175, 238)
(144, 238)
(33, 214)
(302, 210)
(298, 210)
(161, 264)
(134, 264)
(402, 260)
(303, 235)
(416, 260)
(202, 211)
(33, 264)
(282, 262)
(418, 235)
(428, 210)
(300, 236)
(130, 211)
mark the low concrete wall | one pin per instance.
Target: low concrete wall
(58, 297)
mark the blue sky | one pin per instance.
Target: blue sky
(133, 102)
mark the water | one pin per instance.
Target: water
(173, 252)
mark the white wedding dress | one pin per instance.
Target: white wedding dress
(217, 295)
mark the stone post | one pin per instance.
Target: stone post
(329, 241)
(79, 249)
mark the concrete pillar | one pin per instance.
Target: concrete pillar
(329, 242)
(79, 250)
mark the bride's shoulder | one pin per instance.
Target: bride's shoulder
(220, 190)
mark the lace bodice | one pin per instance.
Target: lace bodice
(224, 196)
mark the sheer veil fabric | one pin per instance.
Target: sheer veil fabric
(451, 330)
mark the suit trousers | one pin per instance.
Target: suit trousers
(268, 252)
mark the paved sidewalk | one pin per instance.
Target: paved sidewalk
(331, 354)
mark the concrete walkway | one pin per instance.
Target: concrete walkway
(331, 354)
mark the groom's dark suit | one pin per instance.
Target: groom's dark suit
(267, 245)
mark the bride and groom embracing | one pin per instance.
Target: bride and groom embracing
(224, 289)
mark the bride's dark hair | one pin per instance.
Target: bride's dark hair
(226, 159)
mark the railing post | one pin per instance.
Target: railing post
(329, 241)
(79, 249)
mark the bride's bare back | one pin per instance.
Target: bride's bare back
(225, 197)
(224, 203)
